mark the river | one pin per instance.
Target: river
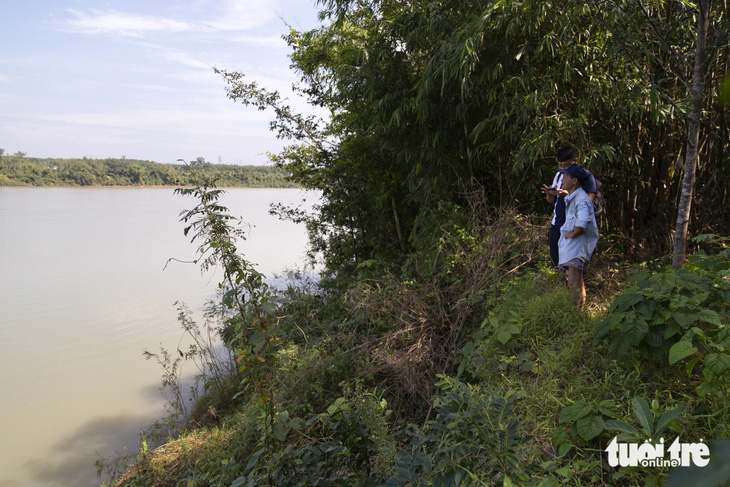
(82, 294)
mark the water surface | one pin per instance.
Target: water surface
(82, 293)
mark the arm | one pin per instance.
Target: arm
(552, 192)
(583, 216)
(590, 187)
(574, 232)
(549, 193)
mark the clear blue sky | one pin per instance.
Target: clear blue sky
(130, 77)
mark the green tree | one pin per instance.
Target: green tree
(431, 101)
(693, 133)
(679, 62)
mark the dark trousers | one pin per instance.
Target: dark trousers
(553, 237)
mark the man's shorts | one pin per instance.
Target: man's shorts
(578, 263)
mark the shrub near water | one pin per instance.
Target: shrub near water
(348, 444)
(472, 440)
(527, 400)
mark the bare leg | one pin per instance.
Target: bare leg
(576, 286)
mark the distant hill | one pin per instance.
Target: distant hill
(28, 171)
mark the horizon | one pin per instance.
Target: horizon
(131, 159)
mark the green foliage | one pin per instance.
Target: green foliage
(652, 423)
(681, 315)
(172, 386)
(27, 171)
(670, 310)
(567, 392)
(300, 428)
(430, 102)
(204, 457)
(515, 338)
(247, 304)
(589, 419)
(315, 377)
(349, 444)
(473, 440)
(215, 377)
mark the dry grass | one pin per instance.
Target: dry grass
(429, 320)
(165, 465)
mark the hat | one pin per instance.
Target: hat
(576, 171)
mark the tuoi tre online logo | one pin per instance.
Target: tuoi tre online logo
(650, 454)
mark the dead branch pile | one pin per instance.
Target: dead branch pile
(427, 319)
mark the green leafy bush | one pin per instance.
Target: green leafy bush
(681, 315)
(589, 418)
(349, 444)
(516, 338)
(472, 440)
(666, 310)
(652, 423)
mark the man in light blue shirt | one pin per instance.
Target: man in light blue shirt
(579, 233)
(554, 194)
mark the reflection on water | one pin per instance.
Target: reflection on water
(82, 293)
(66, 466)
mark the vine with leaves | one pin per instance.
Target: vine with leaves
(251, 330)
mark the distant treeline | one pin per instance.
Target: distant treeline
(16, 170)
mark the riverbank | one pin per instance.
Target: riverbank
(136, 186)
(481, 370)
(24, 171)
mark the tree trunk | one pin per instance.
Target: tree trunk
(401, 240)
(693, 135)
